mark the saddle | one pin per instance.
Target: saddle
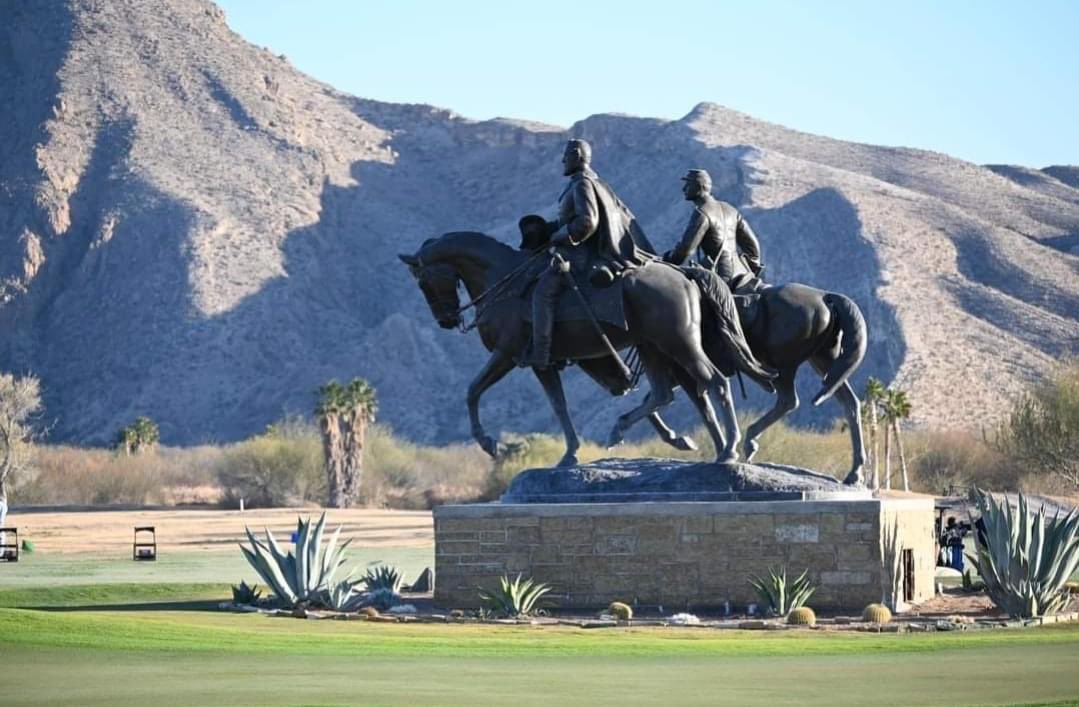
(605, 302)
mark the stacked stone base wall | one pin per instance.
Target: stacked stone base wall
(680, 555)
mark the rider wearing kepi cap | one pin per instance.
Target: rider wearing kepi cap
(727, 244)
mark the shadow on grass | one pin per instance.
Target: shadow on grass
(202, 605)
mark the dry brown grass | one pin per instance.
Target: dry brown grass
(284, 467)
(79, 476)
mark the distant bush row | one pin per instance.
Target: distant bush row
(1034, 452)
(284, 467)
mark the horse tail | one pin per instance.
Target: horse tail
(725, 342)
(853, 339)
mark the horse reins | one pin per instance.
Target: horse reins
(494, 289)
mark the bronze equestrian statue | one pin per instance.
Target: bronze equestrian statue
(662, 313)
(785, 325)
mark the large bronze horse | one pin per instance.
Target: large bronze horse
(790, 324)
(663, 313)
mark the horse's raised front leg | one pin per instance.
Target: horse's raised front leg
(786, 403)
(682, 443)
(493, 371)
(551, 381)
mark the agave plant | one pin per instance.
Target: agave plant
(245, 593)
(1025, 558)
(520, 597)
(781, 595)
(892, 576)
(307, 576)
(383, 577)
(344, 596)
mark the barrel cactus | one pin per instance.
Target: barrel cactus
(802, 616)
(620, 610)
(877, 614)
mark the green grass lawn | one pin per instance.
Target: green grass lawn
(159, 644)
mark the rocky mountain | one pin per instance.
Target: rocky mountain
(193, 230)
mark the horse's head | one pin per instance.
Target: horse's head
(438, 282)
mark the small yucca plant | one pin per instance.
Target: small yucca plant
(1025, 558)
(781, 595)
(383, 577)
(245, 593)
(520, 597)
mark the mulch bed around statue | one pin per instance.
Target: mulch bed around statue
(953, 610)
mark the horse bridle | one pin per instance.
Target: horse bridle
(480, 302)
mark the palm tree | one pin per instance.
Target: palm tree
(343, 413)
(897, 406)
(874, 393)
(140, 436)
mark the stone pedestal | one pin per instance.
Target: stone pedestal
(694, 555)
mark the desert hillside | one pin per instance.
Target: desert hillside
(193, 230)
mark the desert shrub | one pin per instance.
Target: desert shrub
(74, 475)
(1043, 429)
(281, 467)
(951, 462)
(401, 474)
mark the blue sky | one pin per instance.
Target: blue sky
(990, 82)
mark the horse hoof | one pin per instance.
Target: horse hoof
(685, 444)
(568, 460)
(854, 478)
(749, 449)
(728, 457)
(489, 445)
(615, 438)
